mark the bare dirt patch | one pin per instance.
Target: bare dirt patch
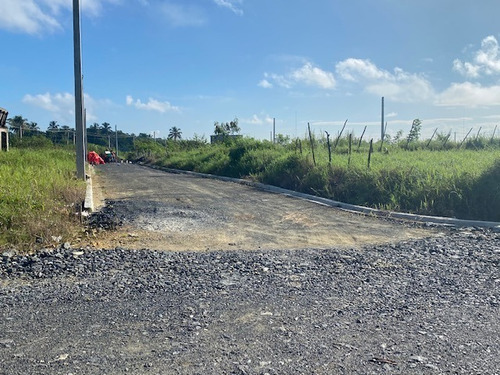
(166, 211)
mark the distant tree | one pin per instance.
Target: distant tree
(199, 138)
(33, 126)
(16, 123)
(106, 127)
(219, 129)
(416, 127)
(227, 128)
(174, 133)
(282, 139)
(53, 132)
(53, 125)
(398, 136)
(233, 126)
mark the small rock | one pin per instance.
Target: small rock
(418, 358)
(6, 343)
(8, 254)
(62, 357)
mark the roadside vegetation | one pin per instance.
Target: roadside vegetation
(40, 195)
(423, 177)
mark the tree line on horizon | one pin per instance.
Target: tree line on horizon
(97, 134)
(103, 136)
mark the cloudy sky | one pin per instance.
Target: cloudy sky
(149, 65)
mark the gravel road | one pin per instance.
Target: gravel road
(428, 305)
(166, 211)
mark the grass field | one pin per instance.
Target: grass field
(38, 196)
(463, 183)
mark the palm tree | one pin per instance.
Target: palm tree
(53, 131)
(53, 125)
(17, 123)
(174, 133)
(33, 126)
(106, 127)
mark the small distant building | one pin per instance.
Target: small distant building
(4, 132)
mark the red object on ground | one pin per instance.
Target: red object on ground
(94, 158)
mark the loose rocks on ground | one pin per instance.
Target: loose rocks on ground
(429, 306)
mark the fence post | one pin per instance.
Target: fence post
(359, 144)
(329, 147)
(312, 143)
(433, 134)
(370, 152)
(350, 148)
(465, 138)
(340, 135)
(479, 131)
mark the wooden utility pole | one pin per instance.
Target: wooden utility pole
(80, 139)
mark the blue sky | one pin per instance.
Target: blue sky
(149, 65)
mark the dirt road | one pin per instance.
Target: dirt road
(166, 211)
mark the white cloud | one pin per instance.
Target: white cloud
(308, 74)
(469, 94)
(38, 16)
(57, 103)
(26, 16)
(232, 5)
(356, 69)
(258, 120)
(314, 76)
(183, 15)
(399, 86)
(62, 105)
(152, 105)
(486, 60)
(265, 84)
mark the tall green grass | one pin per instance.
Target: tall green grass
(463, 183)
(38, 196)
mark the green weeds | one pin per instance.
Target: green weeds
(461, 183)
(38, 196)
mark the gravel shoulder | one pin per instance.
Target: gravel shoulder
(428, 304)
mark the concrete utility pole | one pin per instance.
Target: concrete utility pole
(382, 131)
(274, 130)
(116, 141)
(80, 138)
